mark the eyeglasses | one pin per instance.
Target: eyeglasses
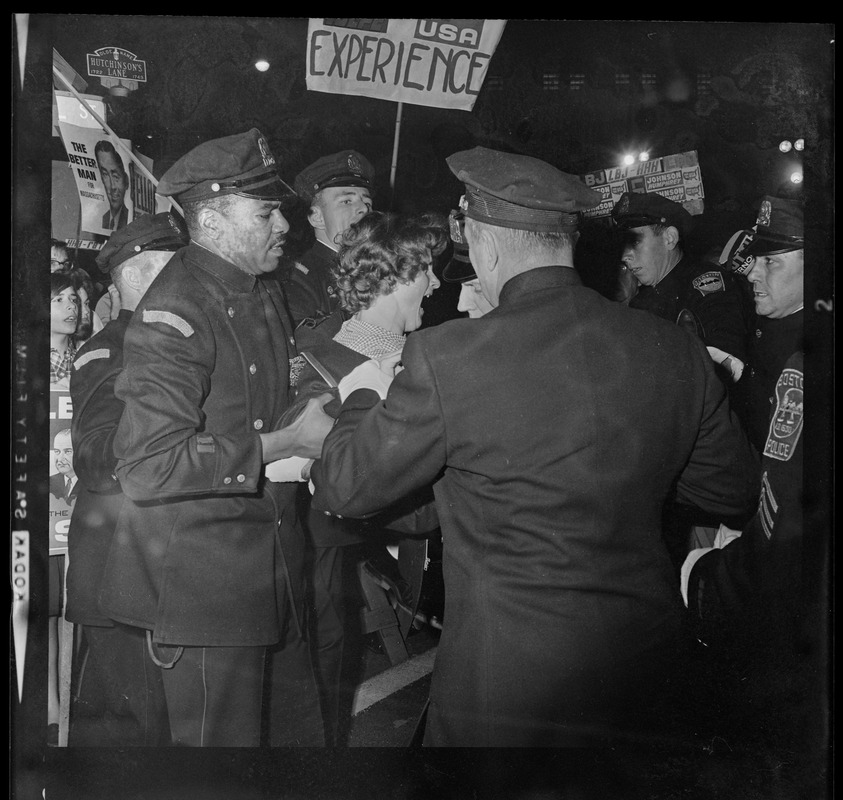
(54, 262)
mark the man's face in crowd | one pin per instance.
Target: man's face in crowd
(60, 260)
(114, 179)
(777, 283)
(472, 301)
(646, 254)
(338, 207)
(253, 234)
(85, 326)
(63, 452)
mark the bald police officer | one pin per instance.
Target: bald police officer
(115, 678)
(337, 189)
(207, 557)
(553, 427)
(700, 297)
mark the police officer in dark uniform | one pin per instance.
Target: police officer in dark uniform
(700, 297)
(338, 191)
(208, 555)
(552, 428)
(115, 678)
(766, 559)
(759, 599)
(673, 286)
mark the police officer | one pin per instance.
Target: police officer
(766, 560)
(207, 557)
(337, 189)
(761, 599)
(700, 297)
(114, 674)
(459, 270)
(554, 427)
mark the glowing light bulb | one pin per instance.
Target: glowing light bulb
(785, 146)
(262, 65)
(796, 177)
(799, 144)
(628, 159)
(645, 156)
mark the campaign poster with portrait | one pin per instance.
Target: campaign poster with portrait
(63, 484)
(102, 170)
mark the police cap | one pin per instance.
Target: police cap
(518, 191)
(346, 168)
(240, 164)
(147, 232)
(779, 227)
(637, 209)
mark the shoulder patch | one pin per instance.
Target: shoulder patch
(301, 268)
(297, 364)
(709, 282)
(168, 318)
(91, 355)
(786, 423)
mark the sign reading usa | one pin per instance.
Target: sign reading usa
(429, 62)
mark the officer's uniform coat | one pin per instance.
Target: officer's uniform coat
(715, 305)
(311, 286)
(96, 414)
(117, 674)
(207, 553)
(552, 428)
(773, 342)
(760, 580)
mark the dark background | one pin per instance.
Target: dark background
(731, 91)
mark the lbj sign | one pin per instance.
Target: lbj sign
(428, 62)
(677, 177)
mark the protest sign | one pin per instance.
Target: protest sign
(102, 178)
(62, 473)
(428, 62)
(676, 177)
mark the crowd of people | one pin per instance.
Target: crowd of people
(615, 480)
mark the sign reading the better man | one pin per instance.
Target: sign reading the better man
(677, 177)
(427, 62)
(102, 178)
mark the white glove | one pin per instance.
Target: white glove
(734, 365)
(288, 470)
(723, 537)
(372, 374)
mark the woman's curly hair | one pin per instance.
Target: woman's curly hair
(381, 249)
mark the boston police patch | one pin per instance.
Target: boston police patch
(709, 282)
(786, 424)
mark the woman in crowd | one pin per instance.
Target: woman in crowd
(384, 273)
